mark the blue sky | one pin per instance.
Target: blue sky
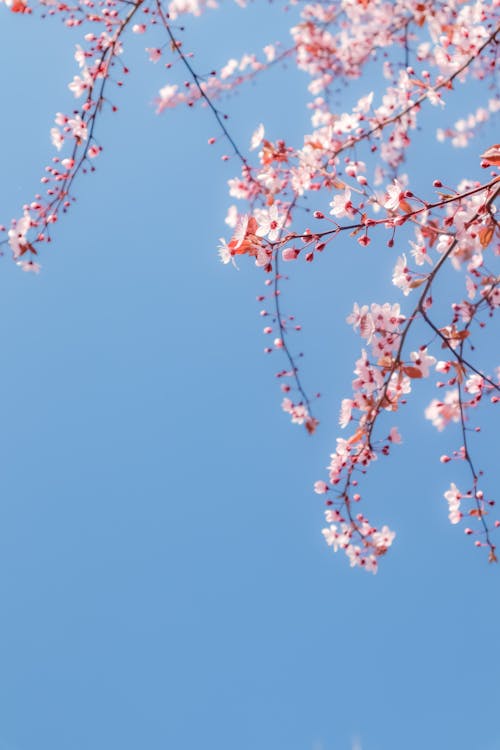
(163, 578)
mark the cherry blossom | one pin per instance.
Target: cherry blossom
(442, 412)
(270, 223)
(401, 276)
(453, 497)
(422, 361)
(17, 235)
(341, 205)
(257, 137)
(395, 196)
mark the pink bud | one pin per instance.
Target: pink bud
(289, 253)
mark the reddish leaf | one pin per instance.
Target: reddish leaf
(486, 235)
(412, 372)
(492, 155)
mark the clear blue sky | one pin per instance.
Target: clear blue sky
(163, 580)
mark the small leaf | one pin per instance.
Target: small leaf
(416, 283)
(486, 235)
(460, 370)
(356, 437)
(386, 362)
(492, 155)
(412, 372)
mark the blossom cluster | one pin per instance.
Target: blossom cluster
(352, 170)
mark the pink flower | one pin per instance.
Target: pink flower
(79, 85)
(270, 223)
(289, 253)
(371, 564)
(225, 255)
(357, 315)
(453, 497)
(394, 436)
(364, 104)
(298, 412)
(383, 539)
(345, 412)
(257, 137)
(442, 412)
(232, 216)
(401, 276)
(331, 537)
(396, 194)
(29, 266)
(57, 138)
(154, 54)
(17, 235)
(320, 487)
(419, 252)
(341, 205)
(168, 97)
(474, 384)
(78, 128)
(423, 361)
(270, 52)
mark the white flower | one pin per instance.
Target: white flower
(270, 223)
(257, 137)
(341, 205)
(17, 235)
(395, 193)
